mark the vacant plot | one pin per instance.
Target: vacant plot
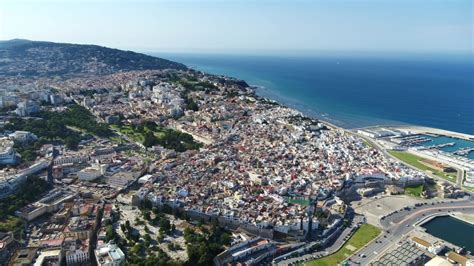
(414, 160)
(362, 236)
(414, 191)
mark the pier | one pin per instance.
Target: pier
(439, 146)
(413, 140)
(464, 151)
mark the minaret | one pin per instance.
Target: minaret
(50, 173)
(310, 214)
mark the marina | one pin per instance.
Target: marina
(456, 146)
(439, 146)
(452, 230)
(429, 141)
(414, 140)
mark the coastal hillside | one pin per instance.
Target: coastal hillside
(48, 59)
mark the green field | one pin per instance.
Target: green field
(298, 201)
(414, 191)
(130, 132)
(362, 236)
(415, 161)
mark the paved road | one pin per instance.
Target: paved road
(460, 178)
(333, 248)
(401, 223)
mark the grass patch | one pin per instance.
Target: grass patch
(364, 234)
(468, 188)
(130, 132)
(10, 223)
(414, 191)
(368, 144)
(299, 201)
(414, 160)
(117, 139)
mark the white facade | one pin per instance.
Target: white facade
(48, 255)
(7, 152)
(77, 257)
(89, 174)
(469, 181)
(109, 255)
(23, 136)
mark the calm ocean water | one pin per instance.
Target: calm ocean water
(452, 230)
(357, 91)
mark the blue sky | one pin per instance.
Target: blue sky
(246, 26)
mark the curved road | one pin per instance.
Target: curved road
(399, 224)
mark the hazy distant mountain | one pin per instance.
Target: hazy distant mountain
(9, 43)
(43, 59)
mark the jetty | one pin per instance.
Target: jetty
(439, 146)
(464, 151)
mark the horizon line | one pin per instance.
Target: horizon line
(261, 51)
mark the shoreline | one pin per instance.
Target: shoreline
(315, 114)
(322, 121)
(415, 128)
(334, 113)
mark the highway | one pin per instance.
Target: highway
(400, 223)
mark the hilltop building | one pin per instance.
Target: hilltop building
(7, 152)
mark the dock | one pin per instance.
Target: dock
(464, 151)
(439, 146)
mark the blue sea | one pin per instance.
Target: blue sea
(358, 90)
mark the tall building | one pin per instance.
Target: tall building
(27, 108)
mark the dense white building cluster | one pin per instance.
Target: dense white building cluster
(260, 165)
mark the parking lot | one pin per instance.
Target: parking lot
(376, 207)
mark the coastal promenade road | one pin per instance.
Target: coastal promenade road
(341, 239)
(399, 224)
(417, 214)
(334, 246)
